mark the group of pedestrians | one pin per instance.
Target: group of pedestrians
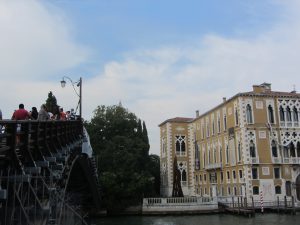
(43, 114)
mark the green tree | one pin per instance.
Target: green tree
(125, 168)
(51, 103)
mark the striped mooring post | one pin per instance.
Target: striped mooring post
(261, 202)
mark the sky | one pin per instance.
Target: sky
(159, 58)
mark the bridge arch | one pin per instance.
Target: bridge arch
(297, 183)
(39, 172)
(81, 187)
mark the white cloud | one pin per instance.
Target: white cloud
(35, 41)
(156, 84)
(177, 80)
(36, 44)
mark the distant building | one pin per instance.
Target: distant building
(248, 144)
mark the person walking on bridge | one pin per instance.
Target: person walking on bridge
(43, 114)
(21, 113)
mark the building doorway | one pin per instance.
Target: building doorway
(298, 187)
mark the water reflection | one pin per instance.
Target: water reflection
(218, 219)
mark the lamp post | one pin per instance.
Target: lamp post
(78, 84)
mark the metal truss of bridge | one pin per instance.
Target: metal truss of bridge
(48, 174)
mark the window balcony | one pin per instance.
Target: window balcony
(212, 166)
(180, 153)
(282, 123)
(183, 183)
(277, 160)
(213, 180)
(296, 124)
(289, 124)
(295, 160)
(254, 160)
(242, 180)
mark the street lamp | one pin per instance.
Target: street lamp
(78, 84)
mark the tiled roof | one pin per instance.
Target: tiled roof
(177, 120)
(271, 93)
(277, 94)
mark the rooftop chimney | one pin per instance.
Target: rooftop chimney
(262, 88)
(224, 99)
(294, 89)
(197, 113)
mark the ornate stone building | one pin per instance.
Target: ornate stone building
(248, 145)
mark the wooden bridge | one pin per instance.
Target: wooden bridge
(46, 177)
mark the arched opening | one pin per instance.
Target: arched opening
(271, 114)
(288, 188)
(281, 114)
(274, 149)
(288, 114)
(177, 147)
(183, 175)
(239, 152)
(249, 114)
(180, 145)
(255, 190)
(278, 190)
(295, 114)
(298, 187)
(252, 149)
(292, 150)
(236, 117)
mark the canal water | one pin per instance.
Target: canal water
(216, 219)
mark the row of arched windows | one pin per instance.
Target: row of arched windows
(288, 114)
(289, 150)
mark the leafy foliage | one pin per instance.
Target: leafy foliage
(51, 103)
(126, 170)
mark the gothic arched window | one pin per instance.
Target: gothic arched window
(271, 114)
(183, 175)
(281, 114)
(225, 122)
(295, 114)
(292, 150)
(239, 152)
(180, 145)
(252, 149)
(227, 154)
(274, 149)
(288, 114)
(249, 114)
(236, 117)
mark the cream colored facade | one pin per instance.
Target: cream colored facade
(249, 145)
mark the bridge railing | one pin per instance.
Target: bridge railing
(25, 143)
